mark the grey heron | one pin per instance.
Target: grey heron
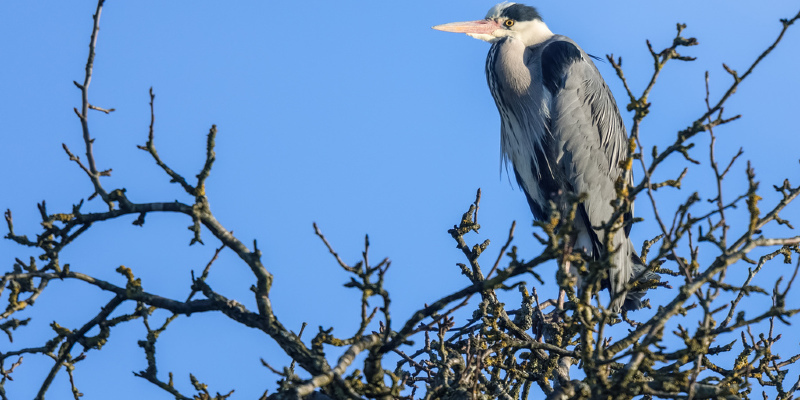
(560, 130)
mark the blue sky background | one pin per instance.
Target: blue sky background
(355, 115)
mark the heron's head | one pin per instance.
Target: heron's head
(503, 20)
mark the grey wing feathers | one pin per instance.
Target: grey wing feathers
(588, 142)
(587, 130)
(557, 58)
(565, 67)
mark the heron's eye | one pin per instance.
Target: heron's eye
(509, 23)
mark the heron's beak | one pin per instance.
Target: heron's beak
(480, 27)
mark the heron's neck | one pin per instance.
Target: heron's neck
(535, 32)
(510, 65)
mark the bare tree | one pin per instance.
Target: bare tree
(536, 348)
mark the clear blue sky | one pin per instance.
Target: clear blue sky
(352, 114)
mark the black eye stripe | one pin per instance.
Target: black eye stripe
(521, 12)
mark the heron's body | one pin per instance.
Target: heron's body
(560, 128)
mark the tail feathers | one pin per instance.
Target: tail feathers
(633, 300)
(629, 267)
